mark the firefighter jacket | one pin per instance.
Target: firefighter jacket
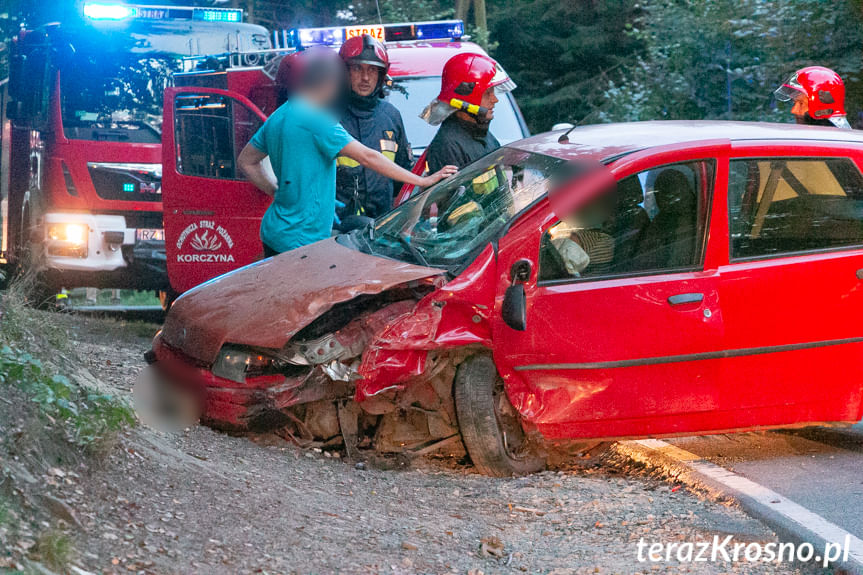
(459, 142)
(377, 124)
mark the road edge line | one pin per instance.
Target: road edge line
(787, 518)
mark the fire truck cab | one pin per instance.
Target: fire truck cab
(212, 214)
(81, 149)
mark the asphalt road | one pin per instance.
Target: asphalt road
(819, 468)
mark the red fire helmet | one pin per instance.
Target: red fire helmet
(465, 79)
(824, 91)
(365, 50)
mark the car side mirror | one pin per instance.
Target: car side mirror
(514, 308)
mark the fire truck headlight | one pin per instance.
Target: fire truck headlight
(68, 240)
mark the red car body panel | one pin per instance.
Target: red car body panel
(457, 314)
(633, 367)
(774, 342)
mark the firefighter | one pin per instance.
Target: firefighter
(376, 123)
(465, 108)
(818, 94)
(302, 139)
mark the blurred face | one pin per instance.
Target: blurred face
(800, 108)
(323, 95)
(364, 78)
(489, 99)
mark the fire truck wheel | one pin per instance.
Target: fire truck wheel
(490, 426)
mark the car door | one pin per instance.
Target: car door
(212, 213)
(792, 291)
(625, 341)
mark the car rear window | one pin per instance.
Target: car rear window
(790, 205)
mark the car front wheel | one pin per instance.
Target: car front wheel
(490, 426)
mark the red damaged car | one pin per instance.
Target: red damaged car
(704, 277)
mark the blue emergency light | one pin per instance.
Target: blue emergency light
(406, 32)
(109, 11)
(117, 12)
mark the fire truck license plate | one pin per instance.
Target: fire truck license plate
(150, 234)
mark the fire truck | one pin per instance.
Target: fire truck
(80, 161)
(212, 213)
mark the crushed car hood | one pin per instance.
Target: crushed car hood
(266, 303)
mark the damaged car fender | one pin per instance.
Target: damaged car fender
(455, 315)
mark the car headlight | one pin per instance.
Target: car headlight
(237, 363)
(70, 240)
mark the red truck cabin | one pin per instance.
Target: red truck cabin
(83, 189)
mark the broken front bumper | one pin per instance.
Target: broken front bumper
(257, 404)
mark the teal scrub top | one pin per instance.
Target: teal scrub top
(302, 142)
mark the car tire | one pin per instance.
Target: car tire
(489, 425)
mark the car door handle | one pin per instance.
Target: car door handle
(683, 298)
(860, 274)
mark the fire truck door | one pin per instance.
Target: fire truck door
(212, 213)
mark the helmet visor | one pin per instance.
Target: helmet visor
(501, 82)
(369, 62)
(790, 90)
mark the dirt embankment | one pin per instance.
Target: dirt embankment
(205, 502)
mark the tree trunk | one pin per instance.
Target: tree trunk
(479, 15)
(461, 9)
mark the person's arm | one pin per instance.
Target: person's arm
(376, 161)
(251, 162)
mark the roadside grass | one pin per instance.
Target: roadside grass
(54, 548)
(106, 297)
(92, 419)
(53, 413)
(35, 357)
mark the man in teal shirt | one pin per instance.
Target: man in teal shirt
(302, 139)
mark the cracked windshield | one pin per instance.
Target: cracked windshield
(455, 219)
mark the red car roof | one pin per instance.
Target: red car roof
(600, 142)
(425, 58)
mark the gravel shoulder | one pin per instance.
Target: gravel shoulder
(206, 502)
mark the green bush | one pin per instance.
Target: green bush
(92, 418)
